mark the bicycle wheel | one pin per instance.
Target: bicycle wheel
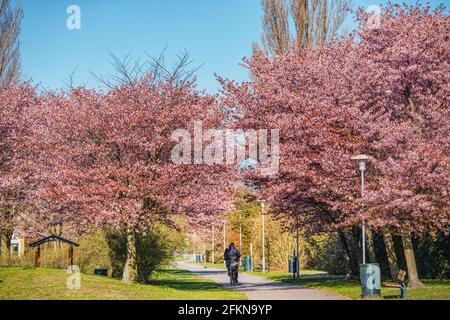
(233, 277)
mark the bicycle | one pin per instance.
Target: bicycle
(233, 275)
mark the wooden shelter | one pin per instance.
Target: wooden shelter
(37, 244)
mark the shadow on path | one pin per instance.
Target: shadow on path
(184, 280)
(187, 284)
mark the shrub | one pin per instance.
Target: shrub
(153, 250)
(93, 252)
(325, 253)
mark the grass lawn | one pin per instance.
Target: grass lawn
(181, 258)
(434, 290)
(17, 283)
(217, 265)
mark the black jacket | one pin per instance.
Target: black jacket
(225, 255)
(233, 254)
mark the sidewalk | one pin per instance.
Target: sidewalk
(259, 288)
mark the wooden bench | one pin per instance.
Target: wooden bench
(400, 284)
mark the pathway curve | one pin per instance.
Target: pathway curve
(259, 288)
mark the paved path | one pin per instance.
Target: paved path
(259, 288)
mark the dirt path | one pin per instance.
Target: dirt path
(259, 288)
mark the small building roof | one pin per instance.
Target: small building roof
(51, 239)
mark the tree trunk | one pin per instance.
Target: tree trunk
(5, 243)
(370, 245)
(7, 238)
(130, 271)
(413, 275)
(2, 247)
(346, 254)
(391, 255)
(8, 250)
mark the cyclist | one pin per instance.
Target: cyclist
(233, 255)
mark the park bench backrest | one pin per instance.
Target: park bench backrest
(401, 275)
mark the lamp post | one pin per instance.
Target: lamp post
(204, 252)
(240, 235)
(263, 204)
(370, 273)
(251, 256)
(224, 239)
(213, 245)
(362, 160)
(297, 249)
(195, 244)
(224, 235)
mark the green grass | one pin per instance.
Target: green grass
(180, 258)
(17, 283)
(217, 265)
(434, 290)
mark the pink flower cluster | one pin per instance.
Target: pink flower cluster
(93, 158)
(384, 92)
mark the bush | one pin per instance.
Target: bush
(117, 251)
(107, 249)
(153, 250)
(93, 252)
(433, 256)
(325, 253)
(54, 255)
(27, 260)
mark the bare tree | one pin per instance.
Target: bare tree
(276, 35)
(314, 22)
(69, 83)
(155, 67)
(10, 25)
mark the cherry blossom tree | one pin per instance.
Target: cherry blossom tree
(383, 92)
(105, 158)
(15, 169)
(409, 85)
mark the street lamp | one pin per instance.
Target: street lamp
(225, 239)
(195, 245)
(240, 235)
(224, 235)
(362, 160)
(370, 273)
(263, 204)
(213, 246)
(297, 249)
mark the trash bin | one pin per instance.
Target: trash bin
(198, 258)
(248, 263)
(370, 279)
(293, 264)
(101, 272)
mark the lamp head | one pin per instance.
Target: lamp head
(362, 160)
(262, 202)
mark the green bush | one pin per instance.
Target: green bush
(325, 253)
(53, 255)
(153, 250)
(93, 252)
(117, 251)
(433, 256)
(27, 260)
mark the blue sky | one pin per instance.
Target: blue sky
(216, 33)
